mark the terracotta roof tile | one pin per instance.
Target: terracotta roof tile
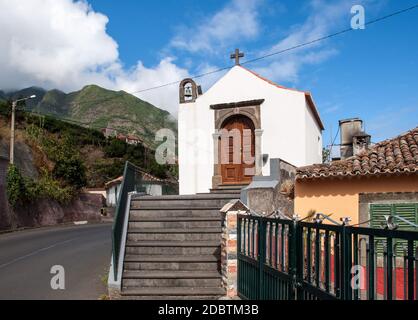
(397, 155)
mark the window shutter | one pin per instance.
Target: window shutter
(408, 211)
(377, 213)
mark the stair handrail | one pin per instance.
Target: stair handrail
(128, 185)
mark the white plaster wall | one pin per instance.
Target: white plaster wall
(313, 144)
(284, 120)
(111, 195)
(154, 189)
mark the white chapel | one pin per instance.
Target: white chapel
(228, 134)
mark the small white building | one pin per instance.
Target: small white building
(227, 134)
(112, 191)
(149, 184)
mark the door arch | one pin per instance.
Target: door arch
(237, 150)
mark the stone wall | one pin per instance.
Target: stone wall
(264, 194)
(229, 249)
(4, 205)
(85, 207)
(42, 212)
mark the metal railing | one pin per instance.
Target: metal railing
(132, 182)
(281, 259)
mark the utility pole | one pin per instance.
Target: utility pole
(12, 131)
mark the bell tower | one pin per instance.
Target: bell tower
(189, 91)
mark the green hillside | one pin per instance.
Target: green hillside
(56, 145)
(98, 108)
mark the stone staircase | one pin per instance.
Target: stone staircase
(173, 247)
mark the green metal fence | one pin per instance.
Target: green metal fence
(293, 260)
(132, 182)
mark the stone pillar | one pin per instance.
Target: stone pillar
(217, 177)
(258, 152)
(229, 262)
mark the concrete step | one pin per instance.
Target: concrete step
(180, 203)
(171, 275)
(175, 230)
(174, 237)
(133, 283)
(175, 213)
(171, 279)
(175, 224)
(173, 291)
(172, 262)
(169, 198)
(174, 219)
(236, 191)
(164, 258)
(172, 266)
(199, 249)
(175, 244)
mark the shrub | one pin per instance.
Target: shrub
(47, 188)
(115, 149)
(72, 171)
(16, 190)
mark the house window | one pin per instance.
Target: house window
(407, 211)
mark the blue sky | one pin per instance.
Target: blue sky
(372, 73)
(133, 45)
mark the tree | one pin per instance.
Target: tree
(326, 153)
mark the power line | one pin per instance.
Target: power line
(301, 45)
(287, 49)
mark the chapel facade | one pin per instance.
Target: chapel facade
(228, 134)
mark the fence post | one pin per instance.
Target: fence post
(345, 260)
(295, 256)
(261, 255)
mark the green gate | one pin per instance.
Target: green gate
(294, 260)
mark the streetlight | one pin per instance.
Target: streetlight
(12, 135)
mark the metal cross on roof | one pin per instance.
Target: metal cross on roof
(236, 56)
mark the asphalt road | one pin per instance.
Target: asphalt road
(26, 259)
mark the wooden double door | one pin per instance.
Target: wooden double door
(237, 150)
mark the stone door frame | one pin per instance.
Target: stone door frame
(249, 109)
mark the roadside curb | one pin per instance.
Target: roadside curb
(67, 224)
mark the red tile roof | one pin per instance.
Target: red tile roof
(392, 156)
(308, 96)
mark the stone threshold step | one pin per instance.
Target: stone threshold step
(158, 243)
(172, 291)
(145, 274)
(167, 258)
(174, 219)
(175, 230)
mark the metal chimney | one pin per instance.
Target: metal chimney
(349, 128)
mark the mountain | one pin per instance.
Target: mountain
(98, 108)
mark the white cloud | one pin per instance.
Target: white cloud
(64, 44)
(141, 78)
(323, 19)
(236, 21)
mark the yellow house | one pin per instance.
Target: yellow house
(379, 180)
